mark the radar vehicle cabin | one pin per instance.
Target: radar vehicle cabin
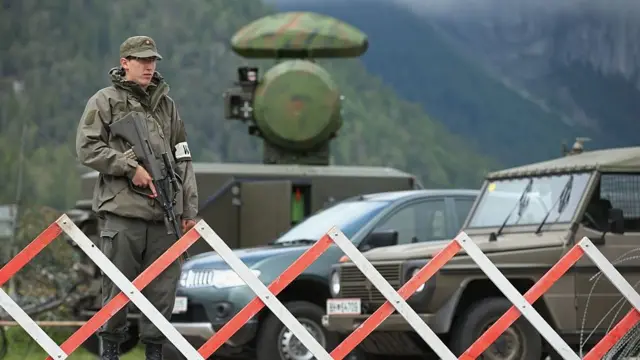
(525, 220)
(295, 109)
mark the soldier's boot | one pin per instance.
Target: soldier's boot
(110, 350)
(153, 352)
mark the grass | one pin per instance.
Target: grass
(36, 353)
(23, 347)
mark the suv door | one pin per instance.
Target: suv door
(418, 221)
(603, 303)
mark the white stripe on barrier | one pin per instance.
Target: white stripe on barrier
(515, 297)
(390, 294)
(31, 327)
(261, 291)
(141, 302)
(610, 272)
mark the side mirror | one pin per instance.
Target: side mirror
(379, 239)
(616, 221)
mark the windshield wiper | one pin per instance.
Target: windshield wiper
(522, 204)
(561, 201)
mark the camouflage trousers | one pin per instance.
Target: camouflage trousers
(132, 245)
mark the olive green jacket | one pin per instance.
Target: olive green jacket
(99, 150)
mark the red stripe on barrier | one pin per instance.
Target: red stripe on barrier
(253, 307)
(118, 302)
(373, 321)
(29, 252)
(536, 291)
(608, 341)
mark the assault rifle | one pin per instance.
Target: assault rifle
(133, 129)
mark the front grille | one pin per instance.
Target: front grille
(353, 284)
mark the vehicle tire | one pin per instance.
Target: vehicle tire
(276, 342)
(520, 341)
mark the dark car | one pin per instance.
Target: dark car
(210, 293)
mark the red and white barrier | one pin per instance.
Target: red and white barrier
(267, 295)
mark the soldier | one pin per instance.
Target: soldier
(133, 233)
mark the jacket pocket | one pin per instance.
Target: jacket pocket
(110, 188)
(108, 234)
(107, 237)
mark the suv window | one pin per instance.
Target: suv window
(417, 222)
(619, 191)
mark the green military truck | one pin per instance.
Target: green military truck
(296, 111)
(525, 219)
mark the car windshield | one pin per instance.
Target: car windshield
(349, 217)
(503, 197)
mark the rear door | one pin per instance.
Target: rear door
(419, 221)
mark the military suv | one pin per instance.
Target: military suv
(212, 293)
(524, 220)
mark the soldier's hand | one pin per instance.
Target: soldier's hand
(143, 179)
(187, 224)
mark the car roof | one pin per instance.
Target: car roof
(624, 159)
(414, 194)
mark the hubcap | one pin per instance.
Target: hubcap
(292, 349)
(509, 346)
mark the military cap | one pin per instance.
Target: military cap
(139, 46)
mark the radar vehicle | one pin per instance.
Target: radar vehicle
(295, 109)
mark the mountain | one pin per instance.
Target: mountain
(515, 77)
(580, 58)
(57, 55)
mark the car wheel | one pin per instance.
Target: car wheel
(520, 341)
(275, 341)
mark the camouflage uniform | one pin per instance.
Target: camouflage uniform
(134, 234)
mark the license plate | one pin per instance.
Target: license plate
(343, 307)
(180, 305)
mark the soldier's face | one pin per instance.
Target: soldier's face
(139, 70)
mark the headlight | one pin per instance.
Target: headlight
(212, 277)
(334, 283)
(413, 273)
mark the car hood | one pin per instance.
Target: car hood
(405, 251)
(506, 242)
(249, 256)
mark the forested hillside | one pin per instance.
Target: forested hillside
(57, 54)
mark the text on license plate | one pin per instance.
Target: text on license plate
(180, 305)
(343, 306)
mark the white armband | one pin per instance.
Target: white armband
(182, 151)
